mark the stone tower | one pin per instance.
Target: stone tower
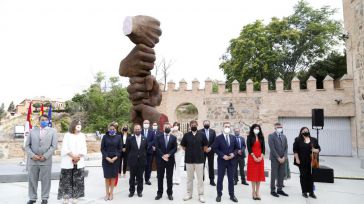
(354, 28)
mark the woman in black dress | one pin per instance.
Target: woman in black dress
(111, 149)
(124, 156)
(303, 147)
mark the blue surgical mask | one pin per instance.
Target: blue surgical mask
(112, 132)
(44, 124)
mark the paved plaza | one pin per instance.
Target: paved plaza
(343, 191)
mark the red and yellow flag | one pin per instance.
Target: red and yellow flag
(41, 110)
(29, 116)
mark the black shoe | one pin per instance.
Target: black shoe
(170, 197)
(131, 195)
(312, 195)
(44, 202)
(282, 193)
(140, 195)
(218, 199)
(234, 199)
(212, 183)
(244, 183)
(158, 197)
(274, 194)
(31, 201)
(148, 183)
(235, 183)
(304, 195)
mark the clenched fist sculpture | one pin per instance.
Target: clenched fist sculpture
(144, 91)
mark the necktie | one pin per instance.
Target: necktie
(166, 140)
(239, 142)
(227, 140)
(207, 134)
(280, 138)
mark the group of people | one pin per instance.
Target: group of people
(166, 144)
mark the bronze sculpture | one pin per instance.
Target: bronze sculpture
(144, 91)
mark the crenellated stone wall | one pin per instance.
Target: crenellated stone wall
(264, 106)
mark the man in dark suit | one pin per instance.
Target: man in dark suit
(209, 155)
(278, 154)
(136, 148)
(166, 147)
(240, 158)
(149, 134)
(226, 149)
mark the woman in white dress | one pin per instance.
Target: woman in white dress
(74, 150)
(179, 154)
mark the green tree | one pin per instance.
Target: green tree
(333, 65)
(2, 111)
(282, 47)
(11, 107)
(37, 106)
(101, 107)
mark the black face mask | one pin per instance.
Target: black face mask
(167, 130)
(206, 126)
(306, 134)
(125, 129)
(194, 128)
(137, 132)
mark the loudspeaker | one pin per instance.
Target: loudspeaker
(323, 174)
(318, 118)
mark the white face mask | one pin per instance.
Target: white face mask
(279, 130)
(175, 128)
(256, 131)
(146, 126)
(155, 127)
(227, 130)
(78, 128)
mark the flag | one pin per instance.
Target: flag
(28, 123)
(41, 110)
(50, 115)
(29, 117)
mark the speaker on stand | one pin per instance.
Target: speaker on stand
(323, 173)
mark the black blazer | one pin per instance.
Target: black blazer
(250, 140)
(161, 147)
(304, 150)
(136, 156)
(221, 147)
(122, 139)
(212, 135)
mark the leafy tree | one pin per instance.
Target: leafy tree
(37, 106)
(101, 107)
(334, 65)
(282, 47)
(2, 111)
(11, 107)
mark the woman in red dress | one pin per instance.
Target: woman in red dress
(255, 167)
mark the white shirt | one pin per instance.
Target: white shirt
(138, 140)
(75, 144)
(124, 138)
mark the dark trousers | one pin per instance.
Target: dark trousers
(240, 162)
(278, 172)
(222, 167)
(148, 166)
(210, 159)
(306, 178)
(136, 172)
(162, 168)
(123, 163)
